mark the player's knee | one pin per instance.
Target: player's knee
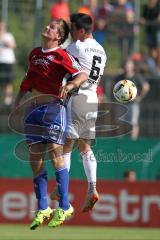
(84, 148)
(84, 145)
(58, 163)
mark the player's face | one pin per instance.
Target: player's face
(51, 31)
(75, 33)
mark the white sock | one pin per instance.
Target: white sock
(67, 160)
(90, 167)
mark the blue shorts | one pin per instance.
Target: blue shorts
(46, 123)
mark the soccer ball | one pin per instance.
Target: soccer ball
(125, 91)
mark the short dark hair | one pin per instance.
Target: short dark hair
(82, 20)
(63, 30)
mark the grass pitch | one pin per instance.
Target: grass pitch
(22, 232)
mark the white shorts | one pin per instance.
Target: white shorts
(82, 116)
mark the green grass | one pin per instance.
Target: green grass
(21, 232)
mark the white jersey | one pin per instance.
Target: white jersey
(92, 58)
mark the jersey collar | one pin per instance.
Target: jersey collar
(49, 50)
(89, 39)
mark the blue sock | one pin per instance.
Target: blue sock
(40, 188)
(62, 178)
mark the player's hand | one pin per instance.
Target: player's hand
(66, 89)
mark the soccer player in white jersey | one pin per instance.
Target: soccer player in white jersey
(83, 106)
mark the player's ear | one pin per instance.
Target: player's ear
(58, 36)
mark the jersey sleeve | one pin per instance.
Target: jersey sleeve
(71, 65)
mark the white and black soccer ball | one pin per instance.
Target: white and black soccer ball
(125, 91)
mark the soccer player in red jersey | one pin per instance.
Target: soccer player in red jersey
(45, 121)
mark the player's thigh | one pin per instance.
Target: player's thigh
(37, 151)
(69, 144)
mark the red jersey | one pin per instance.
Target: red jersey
(47, 69)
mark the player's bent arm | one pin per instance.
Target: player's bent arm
(78, 80)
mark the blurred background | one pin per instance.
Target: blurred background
(129, 30)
